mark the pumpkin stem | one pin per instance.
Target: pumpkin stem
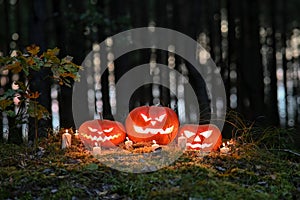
(101, 115)
(157, 104)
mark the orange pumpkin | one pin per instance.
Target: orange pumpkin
(148, 123)
(201, 137)
(105, 133)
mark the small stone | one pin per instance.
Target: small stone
(54, 190)
(220, 169)
(262, 183)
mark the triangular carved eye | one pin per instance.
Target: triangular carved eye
(189, 134)
(206, 134)
(145, 117)
(108, 130)
(92, 129)
(160, 118)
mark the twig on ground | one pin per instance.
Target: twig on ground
(286, 150)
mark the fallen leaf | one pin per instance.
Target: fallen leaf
(273, 176)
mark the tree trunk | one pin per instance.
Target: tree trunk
(251, 87)
(273, 103)
(38, 82)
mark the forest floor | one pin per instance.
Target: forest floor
(246, 172)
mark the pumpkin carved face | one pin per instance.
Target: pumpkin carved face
(148, 123)
(104, 133)
(201, 137)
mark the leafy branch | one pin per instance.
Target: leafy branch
(63, 71)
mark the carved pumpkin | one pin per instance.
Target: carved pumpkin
(105, 133)
(148, 123)
(201, 137)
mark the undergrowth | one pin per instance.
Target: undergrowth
(255, 168)
(270, 137)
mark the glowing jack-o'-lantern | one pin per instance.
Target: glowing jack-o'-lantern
(148, 123)
(201, 137)
(105, 133)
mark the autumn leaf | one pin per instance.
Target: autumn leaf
(47, 64)
(50, 56)
(32, 95)
(37, 63)
(43, 113)
(52, 52)
(71, 75)
(30, 61)
(4, 60)
(33, 49)
(15, 68)
(60, 82)
(38, 111)
(67, 59)
(4, 103)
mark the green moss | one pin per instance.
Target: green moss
(248, 172)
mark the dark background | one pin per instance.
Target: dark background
(256, 44)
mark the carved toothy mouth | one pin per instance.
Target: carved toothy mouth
(198, 145)
(100, 138)
(153, 131)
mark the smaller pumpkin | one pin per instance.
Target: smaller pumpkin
(206, 137)
(105, 133)
(148, 123)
